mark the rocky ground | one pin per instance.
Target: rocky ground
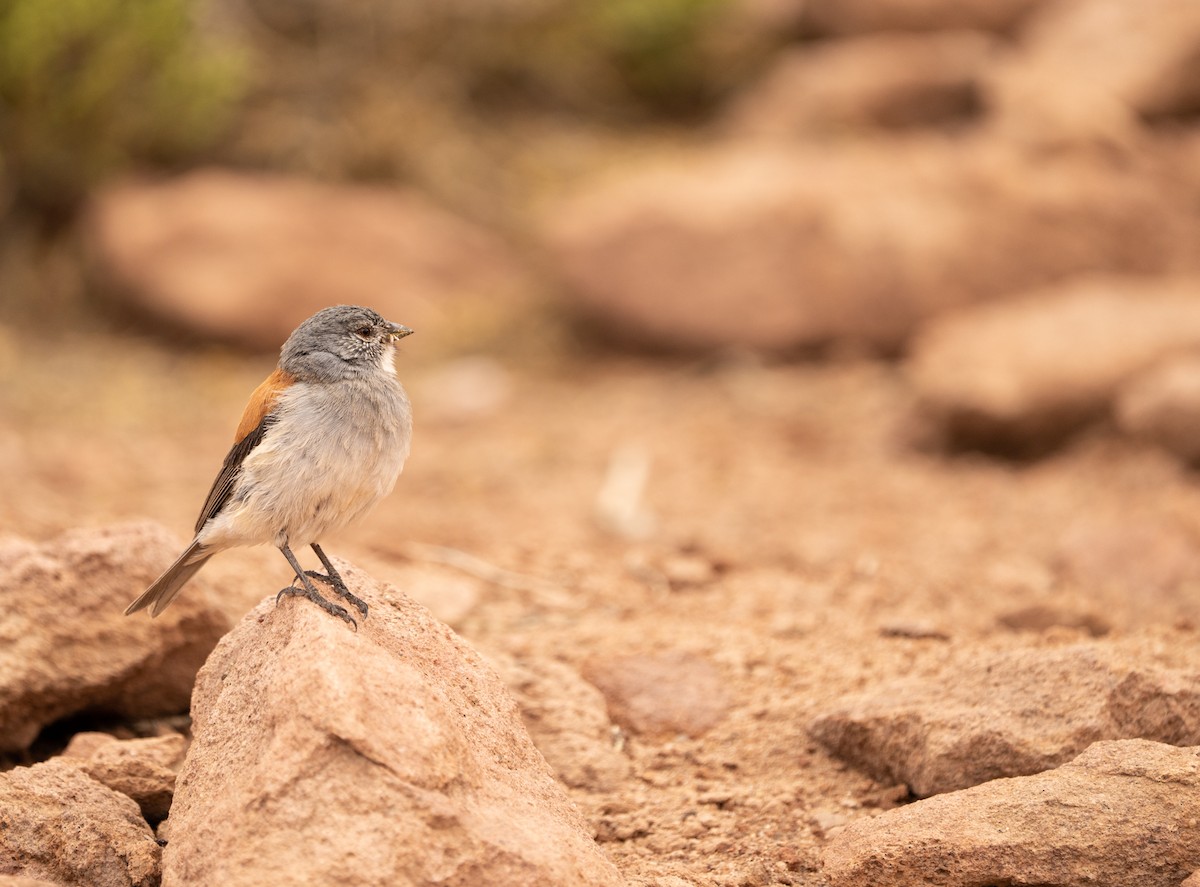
(874, 560)
(745, 670)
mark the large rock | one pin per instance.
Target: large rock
(244, 258)
(1099, 68)
(1022, 374)
(888, 80)
(60, 825)
(1008, 714)
(393, 755)
(1122, 814)
(779, 248)
(142, 769)
(65, 645)
(1162, 405)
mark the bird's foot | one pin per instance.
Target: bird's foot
(339, 587)
(329, 607)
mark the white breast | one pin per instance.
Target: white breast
(333, 453)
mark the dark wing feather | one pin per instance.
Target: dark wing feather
(223, 486)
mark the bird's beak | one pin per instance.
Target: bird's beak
(398, 331)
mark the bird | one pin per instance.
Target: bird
(321, 441)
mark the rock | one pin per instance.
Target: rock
(143, 769)
(1147, 562)
(1162, 405)
(1098, 68)
(861, 16)
(771, 248)
(22, 881)
(661, 694)
(879, 80)
(60, 825)
(567, 720)
(1008, 714)
(65, 645)
(1021, 375)
(1122, 813)
(1192, 880)
(390, 755)
(244, 258)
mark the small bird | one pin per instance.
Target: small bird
(321, 441)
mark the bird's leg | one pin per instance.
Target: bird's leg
(336, 582)
(309, 590)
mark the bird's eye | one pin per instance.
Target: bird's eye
(364, 332)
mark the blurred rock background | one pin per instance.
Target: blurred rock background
(777, 174)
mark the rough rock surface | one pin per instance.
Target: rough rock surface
(143, 769)
(60, 825)
(1008, 714)
(65, 645)
(889, 80)
(1022, 374)
(777, 248)
(390, 755)
(656, 694)
(244, 258)
(1122, 814)
(567, 720)
(1162, 405)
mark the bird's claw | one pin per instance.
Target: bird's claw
(339, 588)
(329, 607)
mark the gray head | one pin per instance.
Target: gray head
(340, 342)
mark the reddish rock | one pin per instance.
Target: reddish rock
(860, 16)
(888, 80)
(1162, 405)
(1098, 68)
(390, 755)
(1122, 813)
(60, 825)
(567, 720)
(777, 249)
(1148, 562)
(142, 769)
(66, 646)
(245, 258)
(658, 694)
(1022, 374)
(1008, 714)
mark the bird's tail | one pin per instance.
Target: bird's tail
(163, 590)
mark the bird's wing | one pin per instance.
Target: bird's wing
(257, 418)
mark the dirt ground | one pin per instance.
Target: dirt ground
(801, 543)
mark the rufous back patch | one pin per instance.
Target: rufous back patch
(263, 400)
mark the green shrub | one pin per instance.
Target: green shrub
(90, 87)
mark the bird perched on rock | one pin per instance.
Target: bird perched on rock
(322, 440)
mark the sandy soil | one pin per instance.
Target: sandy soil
(801, 544)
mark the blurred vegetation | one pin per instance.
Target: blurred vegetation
(89, 88)
(481, 102)
(485, 105)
